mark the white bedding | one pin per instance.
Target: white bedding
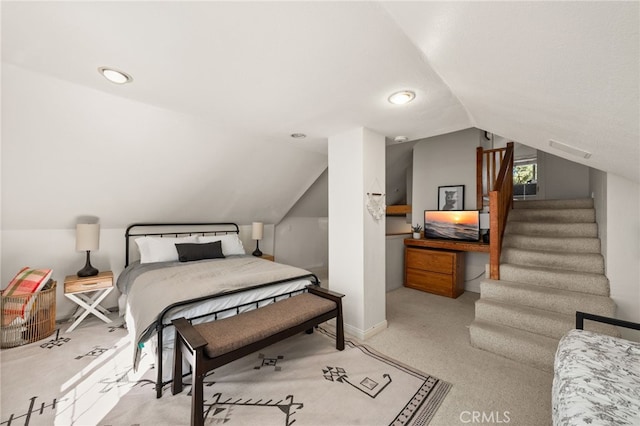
(150, 347)
(596, 380)
(152, 288)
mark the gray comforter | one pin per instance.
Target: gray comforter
(150, 289)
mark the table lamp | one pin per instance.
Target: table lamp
(256, 234)
(87, 239)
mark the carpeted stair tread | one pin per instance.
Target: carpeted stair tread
(578, 203)
(567, 244)
(553, 215)
(549, 299)
(550, 267)
(546, 323)
(560, 230)
(582, 282)
(528, 348)
(579, 262)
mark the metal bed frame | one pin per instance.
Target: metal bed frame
(581, 316)
(188, 229)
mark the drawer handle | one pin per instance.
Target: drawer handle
(89, 284)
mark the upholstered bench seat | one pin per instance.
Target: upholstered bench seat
(210, 345)
(229, 334)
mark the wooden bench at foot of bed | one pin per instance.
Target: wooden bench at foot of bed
(213, 344)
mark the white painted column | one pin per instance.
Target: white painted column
(356, 239)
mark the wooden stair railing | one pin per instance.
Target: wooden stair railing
(494, 171)
(488, 163)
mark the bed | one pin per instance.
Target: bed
(596, 377)
(199, 271)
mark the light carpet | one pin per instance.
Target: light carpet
(85, 377)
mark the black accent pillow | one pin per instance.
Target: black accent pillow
(188, 252)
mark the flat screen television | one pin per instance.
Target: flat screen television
(462, 225)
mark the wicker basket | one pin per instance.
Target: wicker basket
(39, 321)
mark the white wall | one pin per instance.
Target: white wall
(374, 176)
(394, 267)
(598, 188)
(93, 153)
(303, 242)
(448, 160)
(442, 161)
(623, 247)
(617, 204)
(56, 249)
(301, 238)
(561, 179)
(398, 225)
(356, 240)
(314, 202)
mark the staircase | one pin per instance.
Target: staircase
(550, 267)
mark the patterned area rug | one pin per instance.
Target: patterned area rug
(85, 378)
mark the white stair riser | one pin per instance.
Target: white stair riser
(580, 262)
(572, 245)
(558, 230)
(564, 302)
(550, 324)
(553, 215)
(596, 284)
(527, 348)
(582, 203)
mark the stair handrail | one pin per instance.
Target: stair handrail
(500, 203)
(488, 162)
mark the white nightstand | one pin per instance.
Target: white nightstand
(88, 292)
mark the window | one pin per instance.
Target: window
(525, 173)
(525, 177)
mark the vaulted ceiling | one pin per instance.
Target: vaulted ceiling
(203, 131)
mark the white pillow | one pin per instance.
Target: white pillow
(156, 249)
(231, 243)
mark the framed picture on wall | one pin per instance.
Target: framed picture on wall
(451, 197)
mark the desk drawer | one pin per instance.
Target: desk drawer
(430, 260)
(75, 284)
(431, 282)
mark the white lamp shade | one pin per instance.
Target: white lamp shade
(87, 236)
(257, 230)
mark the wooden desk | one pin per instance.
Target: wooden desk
(434, 271)
(437, 266)
(475, 246)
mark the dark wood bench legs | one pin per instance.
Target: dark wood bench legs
(339, 329)
(190, 346)
(191, 350)
(176, 383)
(336, 297)
(197, 400)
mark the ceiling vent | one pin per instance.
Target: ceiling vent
(569, 149)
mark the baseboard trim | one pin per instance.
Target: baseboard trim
(365, 334)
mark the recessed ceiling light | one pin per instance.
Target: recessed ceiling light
(402, 97)
(298, 135)
(115, 76)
